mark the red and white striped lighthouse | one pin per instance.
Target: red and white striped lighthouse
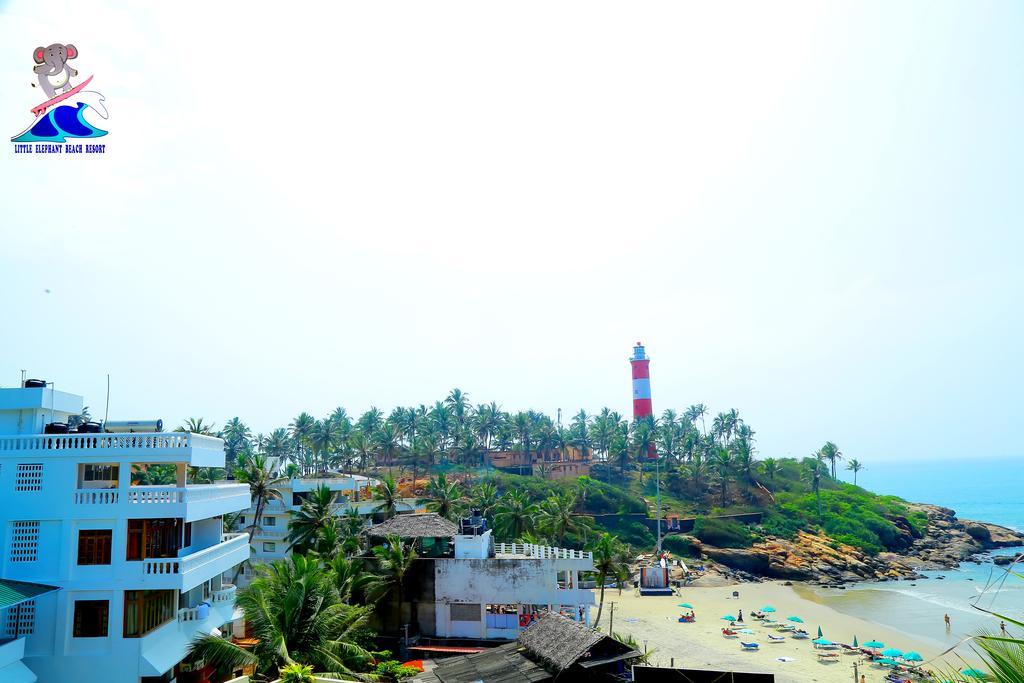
(641, 383)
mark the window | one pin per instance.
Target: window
(188, 535)
(29, 477)
(94, 546)
(21, 619)
(270, 521)
(465, 611)
(269, 547)
(154, 538)
(24, 541)
(147, 610)
(91, 618)
(241, 520)
(99, 472)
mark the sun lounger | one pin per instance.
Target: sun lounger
(748, 646)
(800, 635)
(775, 639)
(728, 633)
(828, 656)
(785, 627)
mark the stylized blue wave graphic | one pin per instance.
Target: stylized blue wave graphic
(61, 123)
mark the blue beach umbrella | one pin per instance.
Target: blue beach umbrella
(729, 617)
(892, 652)
(796, 619)
(874, 644)
(822, 641)
(974, 673)
(685, 604)
(745, 630)
(912, 657)
(887, 662)
(767, 608)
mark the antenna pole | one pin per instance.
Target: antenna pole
(106, 413)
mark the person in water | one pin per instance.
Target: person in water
(946, 618)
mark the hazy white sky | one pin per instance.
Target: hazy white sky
(810, 212)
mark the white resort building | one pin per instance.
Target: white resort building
(126, 575)
(467, 586)
(270, 539)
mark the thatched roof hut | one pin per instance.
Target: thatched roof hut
(425, 525)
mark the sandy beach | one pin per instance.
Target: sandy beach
(701, 644)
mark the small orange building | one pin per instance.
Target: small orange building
(551, 464)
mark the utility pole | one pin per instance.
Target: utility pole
(855, 672)
(611, 620)
(657, 487)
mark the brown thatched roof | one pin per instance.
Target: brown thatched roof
(427, 525)
(558, 642)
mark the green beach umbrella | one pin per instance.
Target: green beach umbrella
(974, 673)
(912, 656)
(819, 632)
(767, 608)
(685, 604)
(729, 617)
(855, 641)
(796, 619)
(874, 643)
(892, 652)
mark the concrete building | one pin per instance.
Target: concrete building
(270, 540)
(468, 586)
(139, 567)
(553, 464)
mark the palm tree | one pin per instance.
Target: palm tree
(722, 463)
(770, 467)
(854, 466)
(257, 474)
(323, 440)
(361, 447)
(446, 496)
(315, 514)
(607, 562)
(831, 452)
(278, 445)
(485, 499)
(387, 444)
(301, 429)
(236, 439)
(515, 515)
(387, 492)
(294, 612)
(558, 518)
(815, 464)
(352, 579)
(196, 426)
(394, 560)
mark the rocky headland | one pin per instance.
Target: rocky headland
(815, 557)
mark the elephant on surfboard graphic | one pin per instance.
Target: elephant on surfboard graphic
(62, 115)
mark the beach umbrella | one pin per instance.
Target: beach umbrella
(685, 604)
(974, 673)
(819, 632)
(874, 643)
(767, 608)
(822, 641)
(912, 657)
(887, 662)
(796, 619)
(892, 652)
(855, 641)
(729, 617)
(745, 630)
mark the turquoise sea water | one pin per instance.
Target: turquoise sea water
(990, 490)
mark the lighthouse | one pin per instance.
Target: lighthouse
(641, 383)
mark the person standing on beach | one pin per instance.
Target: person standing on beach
(947, 621)
(739, 617)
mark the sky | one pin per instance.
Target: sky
(810, 212)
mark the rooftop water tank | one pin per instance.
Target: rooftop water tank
(56, 428)
(126, 426)
(89, 428)
(35, 384)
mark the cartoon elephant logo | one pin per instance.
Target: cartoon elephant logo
(53, 69)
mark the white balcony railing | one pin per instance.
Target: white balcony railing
(541, 552)
(225, 594)
(144, 495)
(157, 441)
(157, 566)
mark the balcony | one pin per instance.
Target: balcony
(197, 450)
(192, 502)
(540, 552)
(185, 573)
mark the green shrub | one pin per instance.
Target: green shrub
(394, 670)
(774, 524)
(632, 532)
(724, 533)
(680, 545)
(297, 673)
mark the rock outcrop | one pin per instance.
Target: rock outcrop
(946, 542)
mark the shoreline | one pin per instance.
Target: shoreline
(652, 621)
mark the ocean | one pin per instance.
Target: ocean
(989, 490)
